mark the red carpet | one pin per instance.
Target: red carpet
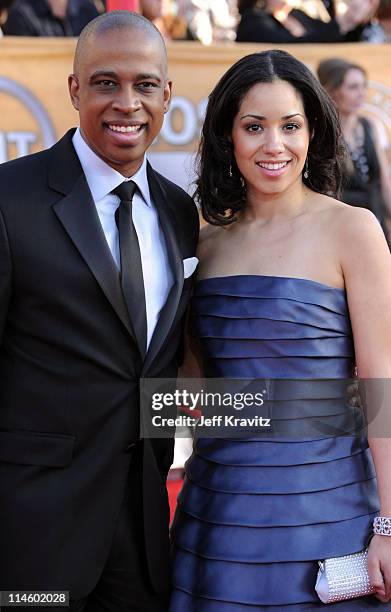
(173, 488)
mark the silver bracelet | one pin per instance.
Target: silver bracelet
(382, 525)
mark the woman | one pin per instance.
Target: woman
(368, 181)
(279, 264)
(276, 21)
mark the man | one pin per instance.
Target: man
(83, 504)
(49, 17)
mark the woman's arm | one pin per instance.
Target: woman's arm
(385, 177)
(192, 361)
(366, 265)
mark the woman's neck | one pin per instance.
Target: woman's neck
(268, 207)
(348, 122)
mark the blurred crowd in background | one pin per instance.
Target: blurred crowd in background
(216, 21)
(264, 21)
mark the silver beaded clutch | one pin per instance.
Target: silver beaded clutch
(343, 578)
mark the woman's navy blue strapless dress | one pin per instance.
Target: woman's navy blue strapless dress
(255, 516)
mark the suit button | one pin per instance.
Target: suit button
(130, 447)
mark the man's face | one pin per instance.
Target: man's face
(121, 93)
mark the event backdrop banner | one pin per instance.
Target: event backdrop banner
(35, 109)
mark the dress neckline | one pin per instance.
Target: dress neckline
(266, 276)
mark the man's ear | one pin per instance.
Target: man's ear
(73, 86)
(167, 95)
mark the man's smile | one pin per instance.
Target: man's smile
(126, 128)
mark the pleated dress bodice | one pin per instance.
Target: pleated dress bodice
(255, 515)
(267, 326)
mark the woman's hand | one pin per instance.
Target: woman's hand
(379, 566)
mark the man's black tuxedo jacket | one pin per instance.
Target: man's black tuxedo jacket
(69, 374)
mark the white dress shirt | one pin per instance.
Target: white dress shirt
(102, 179)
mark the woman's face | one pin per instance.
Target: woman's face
(270, 138)
(351, 94)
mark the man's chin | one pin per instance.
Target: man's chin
(125, 165)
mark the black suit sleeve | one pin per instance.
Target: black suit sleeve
(5, 275)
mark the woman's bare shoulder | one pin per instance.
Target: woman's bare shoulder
(361, 232)
(208, 235)
(353, 231)
(327, 204)
(344, 227)
(210, 246)
(352, 218)
(208, 230)
(342, 216)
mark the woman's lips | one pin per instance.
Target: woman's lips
(273, 169)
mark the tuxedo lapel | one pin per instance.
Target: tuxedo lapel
(77, 213)
(169, 310)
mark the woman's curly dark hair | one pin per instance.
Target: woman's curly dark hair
(220, 189)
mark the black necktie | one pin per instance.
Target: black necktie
(131, 269)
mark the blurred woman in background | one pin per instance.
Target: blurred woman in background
(368, 181)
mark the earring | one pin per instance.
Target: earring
(306, 171)
(230, 171)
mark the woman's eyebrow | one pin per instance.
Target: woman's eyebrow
(262, 117)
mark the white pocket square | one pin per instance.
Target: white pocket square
(189, 265)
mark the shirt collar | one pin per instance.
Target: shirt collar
(101, 178)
